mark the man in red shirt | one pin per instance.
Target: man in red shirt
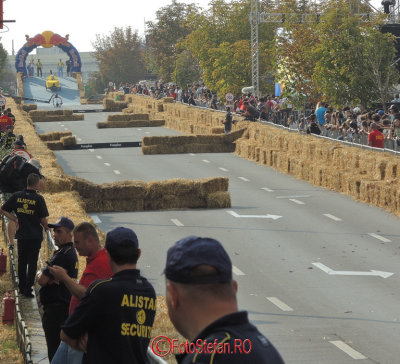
(87, 243)
(5, 120)
(375, 137)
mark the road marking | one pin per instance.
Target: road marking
(79, 139)
(223, 169)
(289, 197)
(348, 350)
(206, 161)
(107, 164)
(91, 150)
(192, 154)
(244, 179)
(267, 189)
(296, 201)
(65, 128)
(177, 222)
(116, 171)
(62, 124)
(59, 123)
(333, 217)
(332, 272)
(381, 238)
(140, 129)
(99, 157)
(277, 302)
(237, 271)
(234, 214)
(96, 219)
(147, 132)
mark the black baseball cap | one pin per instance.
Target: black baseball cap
(63, 222)
(120, 237)
(192, 251)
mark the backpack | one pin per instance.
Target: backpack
(10, 169)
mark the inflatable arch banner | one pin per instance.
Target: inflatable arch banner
(47, 39)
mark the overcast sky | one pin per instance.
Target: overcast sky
(81, 19)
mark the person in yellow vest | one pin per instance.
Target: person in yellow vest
(60, 66)
(39, 68)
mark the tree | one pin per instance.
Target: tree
(187, 69)
(120, 56)
(173, 23)
(95, 85)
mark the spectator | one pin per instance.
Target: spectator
(39, 68)
(396, 98)
(20, 149)
(228, 121)
(68, 64)
(320, 112)
(5, 121)
(214, 102)
(54, 295)
(116, 331)
(375, 137)
(251, 113)
(313, 125)
(30, 217)
(202, 304)
(191, 100)
(87, 243)
(60, 67)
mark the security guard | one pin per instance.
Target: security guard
(116, 315)
(31, 212)
(54, 295)
(202, 305)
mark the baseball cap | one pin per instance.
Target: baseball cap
(63, 222)
(192, 251)
(35, 163)
(119, 237)
(381, 112)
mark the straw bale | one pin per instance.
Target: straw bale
(218, 200)
(29, 107)
(124, 190)
(217, 130)
(168, 100)
(68, 140)
(130, 124)
(175, 202)
(174, 187)
(160, 108)
(85, 188)
(57, 184)
(54, 135)
(55, 145)
(113, 205)
(212, 185)
(392, 168)
(127, 117)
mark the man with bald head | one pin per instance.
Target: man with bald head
(202, 305)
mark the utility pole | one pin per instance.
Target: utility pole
(254, 21)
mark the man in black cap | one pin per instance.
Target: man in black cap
(202, 305)
(113, 321)
(54, 295)
(30, 216)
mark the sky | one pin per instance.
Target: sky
(81, 19)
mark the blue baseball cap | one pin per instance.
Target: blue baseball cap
(63, 222)
(381, 112)
(121, 236)
(192, 251)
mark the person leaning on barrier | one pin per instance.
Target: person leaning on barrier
(30, 217)
(113, 322)
(87, 243)
(54, 295)
(202, 305)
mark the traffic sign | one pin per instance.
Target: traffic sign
(229, 97)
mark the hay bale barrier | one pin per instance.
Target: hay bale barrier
(130, 124)
(54, 115)
(54, 135)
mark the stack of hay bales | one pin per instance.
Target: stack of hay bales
(29, 107)
(139, 196)
(54, 115)
(129, 121)
(190, 143)
(58, 140)
(112, 105)
(54, 135)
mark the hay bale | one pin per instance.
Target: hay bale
(218, 200)
(54, 135)
(85, 188)
(167, 100)
(55, 145)
(68, 140)
(211, 185)
(29, 107)
(57, 184)
(124, 190)
(217, 130)
(127, 117)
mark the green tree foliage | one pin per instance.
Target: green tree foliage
(221, 43)
(187, 70)
(120, 56)
(173, 23)
(3, 63)
(95, 85)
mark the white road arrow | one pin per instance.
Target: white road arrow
(332, 272)
(274, 217)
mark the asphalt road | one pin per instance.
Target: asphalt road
(308, 261)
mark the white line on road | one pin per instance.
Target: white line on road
(298, 196)
(99, 157)
(147, 132)
(296, 201)
(192, 154)
(91, 150)
(206, 161)
(277, 302)
(139, 129)
(177, 222)
(116, 171)
(348, 350)
(96, 219)
(65, 128)
(268, 216)
(59, 123)
(267, 189)
(244, 179)
(381, 238)
(107, 164)
(62, 124)
(223, 169)
(335, 218)
(237, 271)
(79, 139)
(372, 272)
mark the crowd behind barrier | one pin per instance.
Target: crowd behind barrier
(343, 124)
